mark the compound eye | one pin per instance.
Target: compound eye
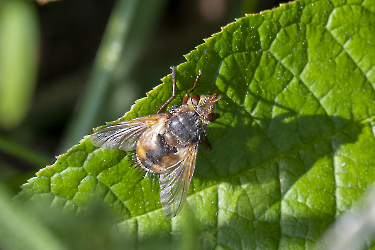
(195, 99)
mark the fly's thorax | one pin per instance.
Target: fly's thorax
(187, 128)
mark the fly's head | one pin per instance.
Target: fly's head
(204, 105)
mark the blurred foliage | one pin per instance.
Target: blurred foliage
(19, 40)
(120, 49)
(20, 230)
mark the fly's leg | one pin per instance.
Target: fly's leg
(173, 89)
(206, 143)
(195, 84)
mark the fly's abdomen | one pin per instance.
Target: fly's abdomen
(155, 155)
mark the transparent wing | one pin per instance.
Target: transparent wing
(123, 135)
(174, 184)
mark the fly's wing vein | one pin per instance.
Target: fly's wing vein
(123, 135)
(174, 184)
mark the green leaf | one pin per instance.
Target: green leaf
(294, 147)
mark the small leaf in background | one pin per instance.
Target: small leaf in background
(294, 147)
(19, 35)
